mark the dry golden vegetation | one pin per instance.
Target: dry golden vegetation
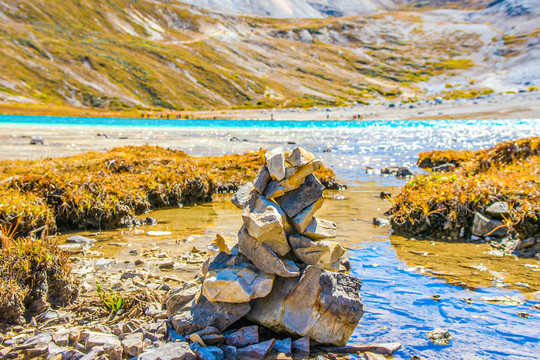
(123, 55)
(441, 204)
(107, 190)
(34, 275)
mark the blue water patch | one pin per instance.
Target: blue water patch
(399, 307)
(252, 124)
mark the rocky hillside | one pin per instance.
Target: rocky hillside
(122, 54)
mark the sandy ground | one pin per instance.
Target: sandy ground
(71, 140)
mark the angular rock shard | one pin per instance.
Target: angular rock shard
(263, 258)
(244, 195)
(201, 313)
(262, 179)
(300, 157)
(322, 305)
(256, 351)
(275, 162)
(245, 336)
(293, 202)
(237, 285)
(304, 217)
(319, 229)
(324, 254)
(264, 221)
(294, 178)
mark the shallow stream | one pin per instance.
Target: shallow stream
(410, 286)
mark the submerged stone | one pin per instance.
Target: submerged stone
(439, 336)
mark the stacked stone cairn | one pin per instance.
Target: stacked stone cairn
(283, 276)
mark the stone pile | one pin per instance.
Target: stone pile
(283, 276)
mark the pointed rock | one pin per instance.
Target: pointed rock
(322, 305)
(264, 221)
(324, 254)
(301, 346)
(257, 351)
(244, 195)
(319, 229)
(262, 179)
(300, 157)
(498, 210)
(304, 217)
(263, 258)
(275, 162)
(293, 202)
(237, 285)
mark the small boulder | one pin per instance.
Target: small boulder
(275, 162)
(208, 352)
(498, 210)
(244, 195)
(324, 254)
(245, 336)
(319, 229)
(301, 346)
(324, 306)
(179, 297)
(263, 257)
(93, 339)
(237, 285)
(484, 226)
(380, 221)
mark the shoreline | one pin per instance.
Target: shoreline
(499, 106)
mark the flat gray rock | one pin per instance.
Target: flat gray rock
(498, 210)
(78, 239)
(324, 254)
(170, 351)
(245, 336)
(256, 351)
(237, 285)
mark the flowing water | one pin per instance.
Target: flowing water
(410, 286)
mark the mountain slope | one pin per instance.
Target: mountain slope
(122, 54)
